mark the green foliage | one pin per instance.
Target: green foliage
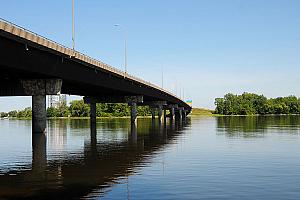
(52, 112)
(250, 104)
(13, 113)
(201, 111)
(143, 111)
(3, 114)
(78, 108)
(26, 113)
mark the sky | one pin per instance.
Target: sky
(203, 48)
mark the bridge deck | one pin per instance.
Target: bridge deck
(41, 44)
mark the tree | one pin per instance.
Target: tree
(249, 104)
(79, 109)
(13, 113)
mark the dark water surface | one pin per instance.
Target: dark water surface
(203, 158)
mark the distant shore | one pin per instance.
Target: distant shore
(195, 112)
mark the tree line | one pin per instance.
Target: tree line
(251, 104)
(78, 108)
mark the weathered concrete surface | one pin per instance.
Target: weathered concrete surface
(178, 114)
(42, 86)
(133, 114)
(93, 113)
(38, 89)
(39, 115)
(160, 112)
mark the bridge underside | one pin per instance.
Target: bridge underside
(23, 60)
(30, 68)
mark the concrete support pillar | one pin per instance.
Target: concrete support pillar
(133, 113)
(153, 109)
(184, 115)
(172, 113)
(165, 115)
(93, 113)
(157, 105)
(178, 115)
(38, 89)
(160, 113)
(132, 102)
(39, 114)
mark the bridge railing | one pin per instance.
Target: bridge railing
(43, 41)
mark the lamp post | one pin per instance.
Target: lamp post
(125, 48)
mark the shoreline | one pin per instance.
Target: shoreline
(128, 117)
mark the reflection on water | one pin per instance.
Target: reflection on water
(201, 158)
(75, 160)
(257, 126)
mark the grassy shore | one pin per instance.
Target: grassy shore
(201, 111)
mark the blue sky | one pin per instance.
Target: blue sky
(205, 48)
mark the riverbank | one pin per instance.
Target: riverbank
(201, 111)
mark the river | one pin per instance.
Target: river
(201, 158)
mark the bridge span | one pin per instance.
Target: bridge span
(32, 65)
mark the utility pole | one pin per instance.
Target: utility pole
(125, 46)
(73, 26)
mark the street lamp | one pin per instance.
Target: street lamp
(125, 48)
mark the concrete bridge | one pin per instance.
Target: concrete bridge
(32, 65)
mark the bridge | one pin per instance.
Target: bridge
(32, 65)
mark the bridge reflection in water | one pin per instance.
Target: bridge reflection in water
(111, 153)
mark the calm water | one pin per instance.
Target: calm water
(203, 158)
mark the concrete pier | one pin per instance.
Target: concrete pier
(172, 113)
(165, 115)
(184, 114)
(92, 113)
(157, 105)
(38, 89)
(39, 114)
(132, 102)
(160, 113)
(178, 114)
(133, 113)
(152, 110)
